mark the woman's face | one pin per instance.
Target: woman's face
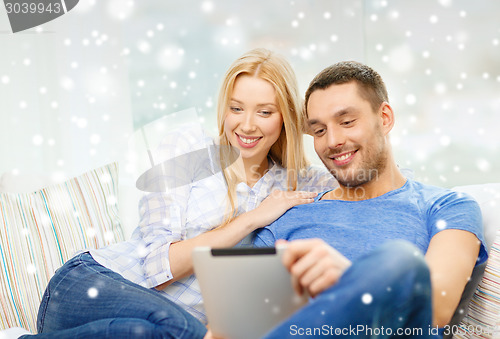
(253, 121)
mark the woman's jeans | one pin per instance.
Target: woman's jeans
(86, 300)
(384, 294)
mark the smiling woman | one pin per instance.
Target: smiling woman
(270, 75)
(253, 123)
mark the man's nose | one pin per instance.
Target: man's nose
(335, 138)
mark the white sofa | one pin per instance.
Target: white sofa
(42, 228)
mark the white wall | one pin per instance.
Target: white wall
(72, 95)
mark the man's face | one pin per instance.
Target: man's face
(348, 135)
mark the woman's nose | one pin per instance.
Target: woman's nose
(248, 123)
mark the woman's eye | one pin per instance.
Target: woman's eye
(265, 113)
(235, 109)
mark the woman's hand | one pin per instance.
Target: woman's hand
(314, 265)
(277, 203)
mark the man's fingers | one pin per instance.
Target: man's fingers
(324, 281)
(321, 276)
(305, 263)
(314, 265)
(307, 253)
(297, 249)
(313, 271)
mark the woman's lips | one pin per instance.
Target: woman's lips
(247, 142)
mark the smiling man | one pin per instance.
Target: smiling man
(350, 129)
(363, 269)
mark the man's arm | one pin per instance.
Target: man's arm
(451, 257)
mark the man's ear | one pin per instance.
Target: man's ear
(387, 116)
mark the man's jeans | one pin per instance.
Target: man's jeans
(87, 300)
(385, 293)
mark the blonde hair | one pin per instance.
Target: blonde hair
(288, 150)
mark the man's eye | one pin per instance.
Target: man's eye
(346, 123)
(319, 132)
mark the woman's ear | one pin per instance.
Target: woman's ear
(387, 116)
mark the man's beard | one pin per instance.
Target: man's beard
(372, 166)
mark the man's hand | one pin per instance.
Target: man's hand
(209, 335)
(314, 265)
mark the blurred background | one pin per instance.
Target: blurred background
(75, 92)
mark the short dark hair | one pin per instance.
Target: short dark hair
(370, 83)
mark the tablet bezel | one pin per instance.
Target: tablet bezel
(246, 291)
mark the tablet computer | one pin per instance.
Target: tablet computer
(246, 291)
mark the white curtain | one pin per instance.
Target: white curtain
(72, 95)
(65, 103)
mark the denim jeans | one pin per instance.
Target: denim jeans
(386, 293)
(86, 300)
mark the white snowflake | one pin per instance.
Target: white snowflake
(92, 292)
(441, 224)
(367, 298)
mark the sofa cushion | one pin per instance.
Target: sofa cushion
(39, 231)
(479, 309)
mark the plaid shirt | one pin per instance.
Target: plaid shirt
(187, 211)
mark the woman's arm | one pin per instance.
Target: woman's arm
(277, 203)
(166, 252)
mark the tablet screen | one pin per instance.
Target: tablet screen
(246, 291)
